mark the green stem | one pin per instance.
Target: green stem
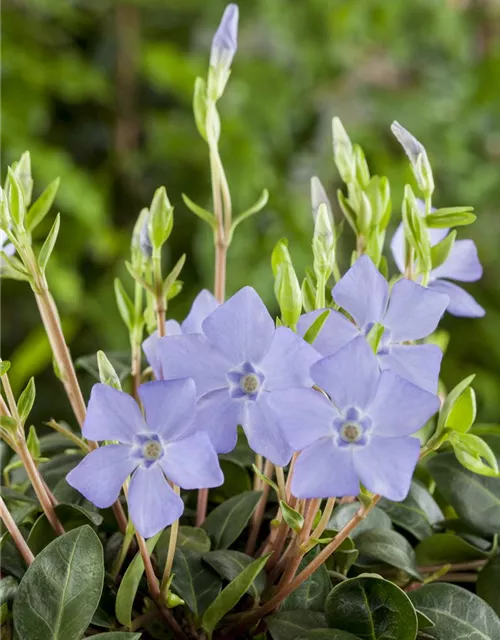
(320, 291)
(67, 433)
(127, 541)
(172, 543)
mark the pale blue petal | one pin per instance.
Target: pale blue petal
(362, 292)
(350, 376)
(288, 361)
(336, 332)
(461, 303)
(264, 433)
(414, 312)
(153, 505)
(462, 263)
(419, 364)
(170, 407)
(241, 328)
(150, 346)
(324, 470)
(219, 415)
(192, 463)
(193, 356)
(385, 465)
(305, 415)
(399, 407)
(203, 305)
(101, 474)
(112, 415)
(225, 40)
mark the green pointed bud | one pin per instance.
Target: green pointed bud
(362, 171)
(378, 192)
(17, 207)
(365, 213)
(319, 197)
(161, 220)
(323, 243)
(286, 285)
(107, 373)
(23, 175)
(141, 248)
(343, 152)
(418, 158)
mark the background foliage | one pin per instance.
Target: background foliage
(100, 91)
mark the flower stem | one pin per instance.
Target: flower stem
(16, 535)
(174, 532)
(67, 433)
(258, 514)
(136, 340)
(325, 518)
(120, 558)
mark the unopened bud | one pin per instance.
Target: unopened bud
(343, 152)
(319, 197)
(418, 158)
(323, 243)
(224, 45)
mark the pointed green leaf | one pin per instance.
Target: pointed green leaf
(124, 304)
(474, 454)
(294, 519)
(4, 367)
(314, 330)
(255, 208)
(312, 593)
(389, 547)
(225, 523)
(450, 401)
(463, 412)
(16, 199)
(229, 564)
(205, 215)
(200, 106)
(26, 400)
(116, 635)
(40, 208)
(441, 251)
(48, 245)
(289, 625)
(450, 217)
(443, 548)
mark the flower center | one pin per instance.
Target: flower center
(250, 383)
(152, 450)
(351, 432)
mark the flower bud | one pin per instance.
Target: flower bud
(144, 239)
(323, 243)
(418, 158)
(319, 197)
(286, 284)
(343, 152)
(225, 40)
(160, 219)
(22, 171)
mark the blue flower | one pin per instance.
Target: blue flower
(225, 40)
(162, 445)
(203, 304)
(361, 434)
(410, 312)
(238, 362)
(462, 264)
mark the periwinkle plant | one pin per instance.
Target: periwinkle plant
(336, 409)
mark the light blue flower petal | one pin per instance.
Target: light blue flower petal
(170, 407)
(336, 332)
(192, 462)
(399, 407)
(203, 305)
(150, 346)
(362, 292)
(153, 505)
(241, 328)
(219, 415)
(386, 465)
(324, 470)
(350, 376)
(398, 243)
(413, 312)
(225, 40)
(101, 474)
(462, 263)
(461, 303)
(418, 363)
(264, 433)
(112, 415)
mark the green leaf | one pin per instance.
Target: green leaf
(124, 304)
(347, 210)
(265, 479)
(33, 443)
(446, 548)
(194, 581)
(119, 360)
(441, 251)
(48, 245)
(40, 208)
(116, 635)
(327, 634)
(344, 556)
(8, 423)
(376, 519)
(312, 593)
(229, 564)
(457, 613)
(289, 625)
(463, 413)
(255, 208)
(450, 217)
(312, 333)
(475, 498)
(416, 514)
(107, 373)
(188, 539)
(26, 400)
(71, 517)
(13, 268)
(232, 594)
(424, 622)
(225, 523)
(8, 589)
(200, 106)
(236, 481)
(174, 274)
(487, 583)
(205, 215)
(450, 401)
(294, 519)
(389, 547)
(308, 290)
(4, 367)
(16, 199)
(161, 219)
(369, 606)
(129, 585)
(474, 454)
(61, 589)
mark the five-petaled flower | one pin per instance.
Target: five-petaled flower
(462, 264)
(203, 304)
(362, 433)
(410, 312)
(163, 444)
(238, 362)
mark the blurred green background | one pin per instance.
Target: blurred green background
(100, 92)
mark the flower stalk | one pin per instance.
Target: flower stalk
(172, 543)
(15, 534)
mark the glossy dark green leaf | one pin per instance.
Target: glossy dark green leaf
(236, 480)
(488, 583)
(117, 635)
(289, 625)
(294, 519)
(225, 523)
(447, 547)
(129, 585)
(312, 593)
(376, 519)
(70, 516)
(475, 498)
(371, 608)
(188, 538)
(457, 613)
(194, 581)
(8, 588)
(423, 621)
(60, 591)
(416, 514)
(232, 594)
(229, 564)
(344, 556)
(326, 634)
(389, 547)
